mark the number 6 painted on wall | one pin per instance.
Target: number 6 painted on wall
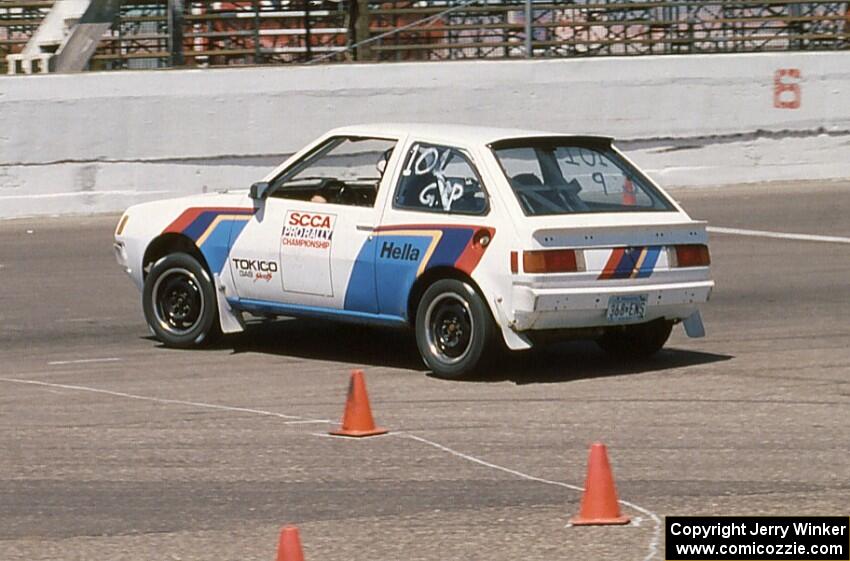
(787, 93)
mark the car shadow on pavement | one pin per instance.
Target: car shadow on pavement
(396, 348)
(326, 340)
(581, 360)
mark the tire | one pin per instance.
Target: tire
(180, 303)
(454, 329)
(636, 341)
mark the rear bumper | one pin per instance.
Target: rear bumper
(564, 308)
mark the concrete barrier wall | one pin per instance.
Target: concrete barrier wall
(100, 141)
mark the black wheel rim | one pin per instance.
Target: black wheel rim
(450, 327)
(178, 301)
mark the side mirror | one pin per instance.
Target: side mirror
(259, 190)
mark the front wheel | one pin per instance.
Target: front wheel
(179, 302)
(636, 341)
(453, 328)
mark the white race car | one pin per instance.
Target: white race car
(471, 236)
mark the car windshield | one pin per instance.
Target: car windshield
(554, 176)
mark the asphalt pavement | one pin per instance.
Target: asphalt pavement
(114, 447)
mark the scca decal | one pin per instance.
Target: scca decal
(308, 231)
(314, 220)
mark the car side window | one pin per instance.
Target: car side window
(343, 170)
(439, 179)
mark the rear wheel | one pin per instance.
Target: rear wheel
(453, 328)
(636, 341)
(179, 302)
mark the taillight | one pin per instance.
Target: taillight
(693, 255)
(550, 261)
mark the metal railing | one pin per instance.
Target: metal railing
(613, 27)
(150, 34)
(18, 22)
(223, 33)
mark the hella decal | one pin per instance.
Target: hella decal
(404, 252)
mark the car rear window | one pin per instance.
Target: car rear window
(555, 177)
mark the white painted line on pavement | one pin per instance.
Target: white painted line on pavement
(161, 400)
(484, 463)
(656, 533)
(81, 320)
(778, 235)
(656, 529)
(84, 361)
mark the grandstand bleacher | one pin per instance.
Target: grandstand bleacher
(140, 34)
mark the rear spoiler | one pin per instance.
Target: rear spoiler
(599, 142)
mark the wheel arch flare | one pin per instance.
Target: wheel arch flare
(211, 230)
(207, 233)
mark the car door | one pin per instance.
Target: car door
(299, 250)
(439, 205)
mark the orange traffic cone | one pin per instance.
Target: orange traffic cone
(629, 196)
(289, 546)
(599, 503)
(357, 419)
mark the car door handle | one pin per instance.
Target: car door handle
(365, 227)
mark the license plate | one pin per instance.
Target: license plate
(626, 308)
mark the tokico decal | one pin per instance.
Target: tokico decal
(256, 269)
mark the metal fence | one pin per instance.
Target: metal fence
(204, 33)
(599, 28)
(149, 33)
(18, 22)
